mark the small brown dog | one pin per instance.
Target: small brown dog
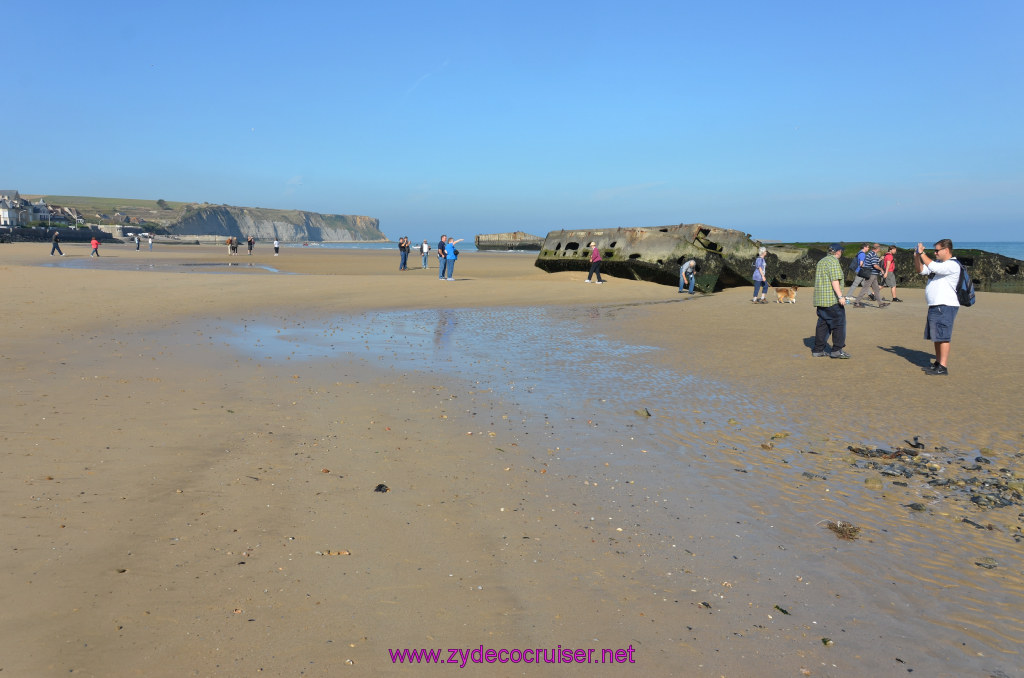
(786, 294)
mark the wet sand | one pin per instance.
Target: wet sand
(185, 453)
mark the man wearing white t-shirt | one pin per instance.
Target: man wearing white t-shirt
(943, 274)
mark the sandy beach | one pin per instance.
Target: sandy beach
(191, 449)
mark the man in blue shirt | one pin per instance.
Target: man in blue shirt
(857, 280)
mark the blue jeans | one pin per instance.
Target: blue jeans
(831, 320)
(691, 282)
(442, 263)
(762, 285)
(451, 268)
(404, 259)
(425, 260)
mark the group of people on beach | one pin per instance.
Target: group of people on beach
(943, 271)
(867, 269)
(405, 247)
(446, 255)
(250, 242)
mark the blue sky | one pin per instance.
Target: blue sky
(786, 120)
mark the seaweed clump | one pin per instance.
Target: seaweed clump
(844, 530)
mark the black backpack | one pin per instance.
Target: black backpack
(965, 287)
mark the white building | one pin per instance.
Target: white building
(11, 206)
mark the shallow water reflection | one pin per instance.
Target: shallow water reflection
(143, 263)
(748, 466)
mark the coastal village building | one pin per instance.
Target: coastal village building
(16, 211)
(11, 205)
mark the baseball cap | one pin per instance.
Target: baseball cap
(835, 247)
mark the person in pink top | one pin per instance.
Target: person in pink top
(595, 263)
(889, 271)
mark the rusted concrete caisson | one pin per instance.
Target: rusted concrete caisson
(516, 240)
(724, 257)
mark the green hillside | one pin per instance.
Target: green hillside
(148, 210)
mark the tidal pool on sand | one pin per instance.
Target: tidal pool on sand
(704, 445)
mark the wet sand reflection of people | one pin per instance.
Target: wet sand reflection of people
(447, 319)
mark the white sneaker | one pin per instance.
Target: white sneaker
(600, 282)
(587, 280)
(450, 279)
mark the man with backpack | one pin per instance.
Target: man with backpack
(941, 295)
(856, 265)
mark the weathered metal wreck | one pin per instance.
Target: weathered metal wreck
(504, 242)
(725, 258)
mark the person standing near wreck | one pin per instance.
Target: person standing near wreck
(760, 279)
(595, 263)
(940, 293)
(686, 272)
(830, 305)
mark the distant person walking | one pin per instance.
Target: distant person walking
(856, 265)
(830, 305)
(249, 243)
(425, 251)
(55, 244)
(595, 263)
(872, 267)
(686, 272)
(95, 247)
(451, 254)
(138, 243)
(150, 243)
(442, 256)
(277, 246)
(760, 278)
(889, 271)
(940, 293)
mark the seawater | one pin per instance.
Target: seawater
(1011, 249)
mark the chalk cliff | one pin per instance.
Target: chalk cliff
(268, 224)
